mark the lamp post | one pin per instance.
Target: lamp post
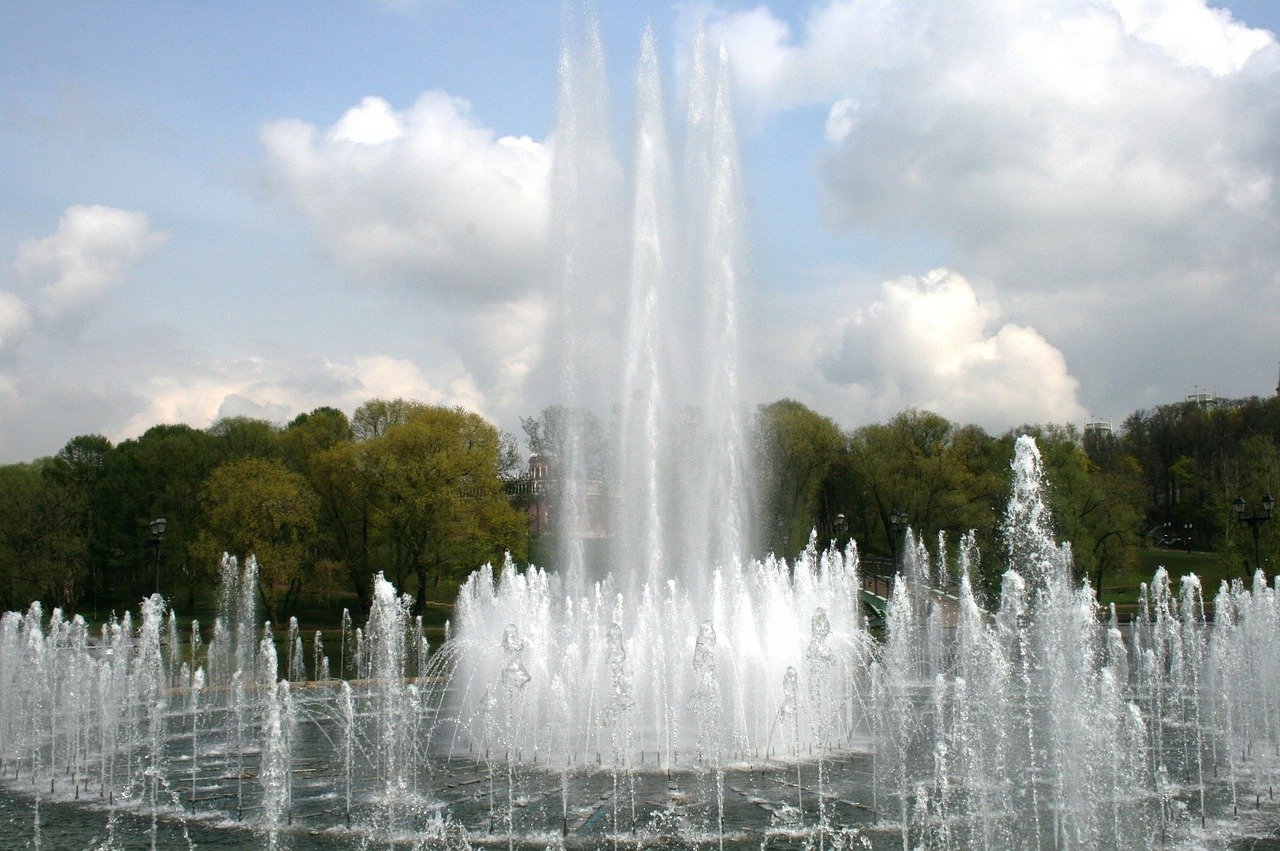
(898, 524)
(840, 527)
(1186, 536)
(157, 538)
(1254, 520)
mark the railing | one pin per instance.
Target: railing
(877, 575)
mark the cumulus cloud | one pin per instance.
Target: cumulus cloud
(1116, 158)
(14, 318)
(1193, 34)
(426, 196)
(1057, 143)
(931, 342)
(278, 390)
(91, 253)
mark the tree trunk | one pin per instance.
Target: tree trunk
(420, 601)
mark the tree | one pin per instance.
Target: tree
(318, 445)
(42, 544)
(311, 433)
(348, 492)
(1097, 495)
(244, 437)
(548, 434)
(157, 475)
(1191, 457)
(374, 417)
(944, 478)
(257, 506)
(440, 501)
(79, 469)
(1250, 475)
(796, 450)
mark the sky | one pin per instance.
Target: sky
(1005, 211)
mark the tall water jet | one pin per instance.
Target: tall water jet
(718, 254)
(584, 234)
(642, 539)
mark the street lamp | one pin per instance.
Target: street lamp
(897, 523)
(1254, 520)
(1186, 536)
(157, 538)
(840, 527)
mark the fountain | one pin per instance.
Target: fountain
(765, 712)
(680, 693)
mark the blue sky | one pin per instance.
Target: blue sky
(1004, 212)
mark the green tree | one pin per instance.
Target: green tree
(156, 475)
(244, 437)
(374, 417)
(348, 492)
(1252, 473)
(440, 501)
(257, 506)
(548, 435)
(78, 470)
(945, 479)
(796, 450)
(1097, 495)
(42, 544)
(311, 433)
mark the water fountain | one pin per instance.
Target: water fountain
(549, 719)
(683, 694)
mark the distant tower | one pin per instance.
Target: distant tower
(1278, 386)
(1202, 400)
(1099, 427)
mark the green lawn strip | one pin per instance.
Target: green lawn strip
(1211, 567)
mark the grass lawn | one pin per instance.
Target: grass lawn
(1211, 567)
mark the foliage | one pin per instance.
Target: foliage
(944, 478)
(438, 496)
(257, 506)
(795, 452)
(42, 541)
(548, 434)
(1097, 496)
(418, 491)
(374, 417)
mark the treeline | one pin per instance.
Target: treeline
(325, 502)
(1170, 475)
(419, 492)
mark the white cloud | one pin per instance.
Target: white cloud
(1059, 143)
(931, 342)
(1109, 168)
(92, 252)
(278, 390)
(14, 318)
(425, 196)
(503, 348)
(1193, 34)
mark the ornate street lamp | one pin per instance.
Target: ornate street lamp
(157, 538)
(898, 525)
(1254, 520)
